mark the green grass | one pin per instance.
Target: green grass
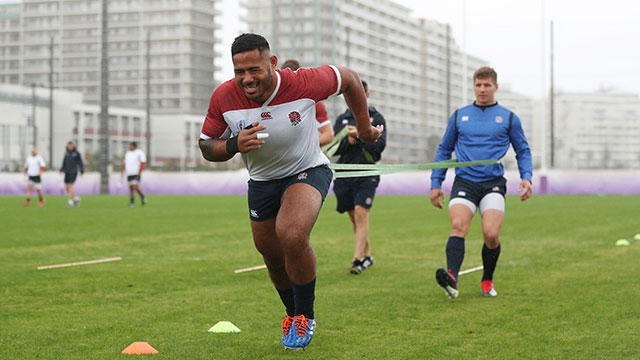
(565, 290)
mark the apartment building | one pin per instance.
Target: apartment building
(413, 67)
(179, 36)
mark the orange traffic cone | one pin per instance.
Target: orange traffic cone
(139, 348)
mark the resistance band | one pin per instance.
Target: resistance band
(333, 146)
(359, 170)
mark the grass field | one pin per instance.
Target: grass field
(565, 291)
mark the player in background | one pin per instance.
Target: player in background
(324, 125)
(479, 131)
(34, 166)
(70, 165)
(271, 115)
(355, 195)
(134, 162)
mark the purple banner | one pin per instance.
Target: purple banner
(406, 183)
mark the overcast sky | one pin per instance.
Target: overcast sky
(596, 42)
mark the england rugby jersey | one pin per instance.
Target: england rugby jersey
(289, 115)
(321, 115)
(34, 164)
(132, 161)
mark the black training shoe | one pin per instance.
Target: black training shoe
(447, 282)
(366, 262)
(356, 267)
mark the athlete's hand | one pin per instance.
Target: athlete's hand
(373, 135)
(248, 138)
(352, 135)
(436, 197)
(526, 186)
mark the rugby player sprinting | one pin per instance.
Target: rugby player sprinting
(289, 176)
(480, 131)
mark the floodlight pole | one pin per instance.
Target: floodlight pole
(51, 103)
(464, 52)
(551, 101)
(148, 95)
(104, 103)
(33, 116)
(448, 89)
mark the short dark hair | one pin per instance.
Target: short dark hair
(365, 86)
(486, 72)
(292, 64)
(248, 42)
(135, 144)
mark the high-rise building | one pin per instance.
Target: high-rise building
(25, 124)
(524, 106)
(182, 34)
(598, 130)
(413, 67)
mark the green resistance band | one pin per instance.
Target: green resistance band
(379, 169)
(333, 146)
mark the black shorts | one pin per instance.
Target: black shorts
(355, 191)
(133, 179)
(265, 196)
(475, 191)
(35, 179)
(70, 178)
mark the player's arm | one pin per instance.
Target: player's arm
(353, 92)
(80, 163)
(216, 149)
(377, 147)
(142, 165)
(326, 134)
(523, 156)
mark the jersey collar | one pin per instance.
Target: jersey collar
(275, 91)
(484, 107)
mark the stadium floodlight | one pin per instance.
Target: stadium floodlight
(104, 104)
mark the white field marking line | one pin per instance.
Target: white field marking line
(250, 269)
(471, 270)
(79, 263)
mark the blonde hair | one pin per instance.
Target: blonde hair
(486, 72)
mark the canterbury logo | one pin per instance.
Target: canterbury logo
(265, 115)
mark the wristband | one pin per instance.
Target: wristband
(232, 145)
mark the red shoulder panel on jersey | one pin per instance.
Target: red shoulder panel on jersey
(316, 84)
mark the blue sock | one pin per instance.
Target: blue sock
(455, 254)
(489, 261)
(287, 299)
(304, 296)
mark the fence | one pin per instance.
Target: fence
(407, 183)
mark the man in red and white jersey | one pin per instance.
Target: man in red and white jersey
(324, 125)
(268, 116)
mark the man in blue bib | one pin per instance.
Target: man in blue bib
(479, 131)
